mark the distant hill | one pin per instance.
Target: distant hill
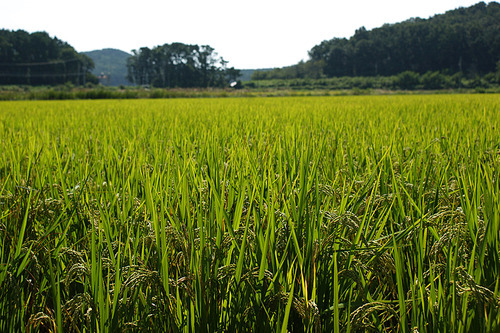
(110, 66)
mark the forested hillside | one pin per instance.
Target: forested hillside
(465, 40)
(38, 59)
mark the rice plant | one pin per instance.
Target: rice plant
(300, 214)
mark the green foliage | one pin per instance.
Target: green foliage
(90, 91)
(498, 72)
(179, 65)
(464, 40)
(358, 213)
(38, 59)
(434, 81)
(309, 69)
(407, 80)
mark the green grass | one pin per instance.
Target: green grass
(309, 214)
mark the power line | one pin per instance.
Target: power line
(47, 71)
(39, 74)
(26, 64)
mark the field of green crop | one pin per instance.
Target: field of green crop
(302, 214)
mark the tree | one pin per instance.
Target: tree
(465, 40)
(232, 74)
(407, 80)
(179, 65)
(38, 59)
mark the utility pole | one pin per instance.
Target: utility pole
(78, 75)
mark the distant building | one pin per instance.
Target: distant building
(104, 79)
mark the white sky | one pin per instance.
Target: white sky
(249, 34)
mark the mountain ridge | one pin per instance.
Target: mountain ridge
(110, 66)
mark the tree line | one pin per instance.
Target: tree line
(37, 59)
(179, 65)
(465, 40)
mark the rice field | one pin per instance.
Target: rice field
(300, 214)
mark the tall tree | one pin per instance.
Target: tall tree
(38, 59)
(463, 40)
(178, 65)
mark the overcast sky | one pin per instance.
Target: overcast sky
(249, 34)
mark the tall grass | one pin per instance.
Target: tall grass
(290, 214)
